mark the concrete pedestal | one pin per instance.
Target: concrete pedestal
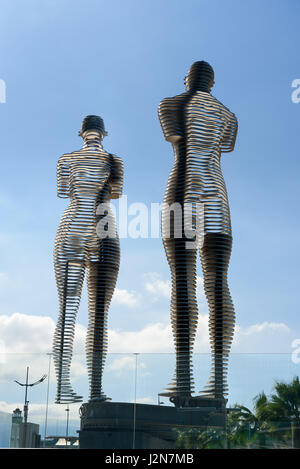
(120, 425)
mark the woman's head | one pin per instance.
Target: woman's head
(200, 77)
(93, 123)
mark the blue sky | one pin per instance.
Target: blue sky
(63, 60)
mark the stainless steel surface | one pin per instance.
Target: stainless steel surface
(200, 128)
(89, 177)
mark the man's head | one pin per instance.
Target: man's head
(200, 77)
(93, 123)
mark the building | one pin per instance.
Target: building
(5, 429)
(23, 435)
(16, 422)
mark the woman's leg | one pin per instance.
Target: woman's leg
(215, 255)
(69, 279)
(102, 277)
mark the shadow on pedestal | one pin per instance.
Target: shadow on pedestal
(120, 425)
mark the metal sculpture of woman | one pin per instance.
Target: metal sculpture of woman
(200, 128)
(89, 177)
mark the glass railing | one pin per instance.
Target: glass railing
(138, 379)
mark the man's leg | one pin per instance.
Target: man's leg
(215, 255)
(184, 313)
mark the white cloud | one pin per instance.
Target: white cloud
(24, 333)
(37, 411)
(156, 286)
(264, 337)
(160, 288)
(201, 298)
(200, 287)
(124, 297)
(264, 326)
(152, 338)
(26, 340)
(118, 365)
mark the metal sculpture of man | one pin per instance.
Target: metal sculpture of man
(89, 177)
(200, 128)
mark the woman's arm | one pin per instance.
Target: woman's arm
(63, 175)
(116, 177)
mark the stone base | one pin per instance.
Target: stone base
(120, 425)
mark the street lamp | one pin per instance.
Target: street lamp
(134, 405)
(47, 401)
(67, 429)
(26, 402)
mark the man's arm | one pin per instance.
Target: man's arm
(229, 137)
(168, 112)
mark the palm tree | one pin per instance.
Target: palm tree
(187, 439)
(270, 424)
(246, 428)
(241, 431)
(284, 407)
(195, 438)
(273, 419)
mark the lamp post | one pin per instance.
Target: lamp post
(134, 405)
(47, 402)
(26, 402)
(67, 429)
